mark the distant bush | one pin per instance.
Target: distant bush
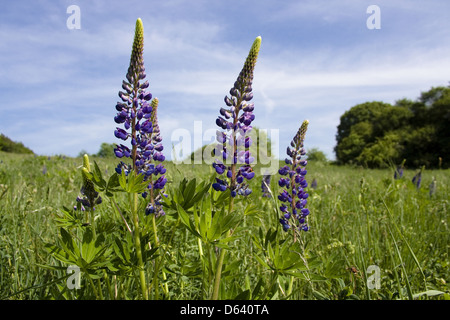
(7, 145)
(106, 150)
(377, 134)
(314, 154)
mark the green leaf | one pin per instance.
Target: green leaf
(257, 289)
(186, 221)
(251, 209)
(244, 295)
(262, 262)
(319, 295)
(428, 293)
(88, 247)
(306, 276)
(98, 177)
(121, 251)
(60, 254)
(188, 193)
(123, 180)
(69, 244)
(215, 230)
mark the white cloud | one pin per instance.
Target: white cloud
(192, 58)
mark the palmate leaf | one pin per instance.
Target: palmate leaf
(60, 254)
(92, 249)
(187, 194)
(69, 218)
(132, 183)
(184, 217)
(69, 244)
(90, 256)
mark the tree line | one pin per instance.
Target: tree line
(8, 145)
(378, 135)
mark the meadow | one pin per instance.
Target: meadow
(371, 236)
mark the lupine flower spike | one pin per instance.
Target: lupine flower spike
(399, 170)
(417, 179)
(433, 187)
(89, 198)
(137, 113)
(235, 121)
(265, 185)
(294, 195)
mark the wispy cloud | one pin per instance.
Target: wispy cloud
(317, 59)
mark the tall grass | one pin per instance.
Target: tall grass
(359, 218)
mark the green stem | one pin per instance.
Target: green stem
(219, 265)
(215, 295)
(291, 284)
(158, 262)
(137, 243)
(92, 285)
(272, 283)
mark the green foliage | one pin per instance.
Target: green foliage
(376, 134)
(106, 150)
(316, 155)
(359, 217)
(7, 145)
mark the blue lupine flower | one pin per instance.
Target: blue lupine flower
(417, 179)
(137, 112)
(295, 213)
(265, 185)
(399, 170)
(237, 126)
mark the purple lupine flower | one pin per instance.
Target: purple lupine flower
(399, 170)
(237, 127)
(293, 195)
(137, 112)
(417, 179)
(265, 185)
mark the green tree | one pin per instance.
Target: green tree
(376, 133)
(382, 153)
(316, 155)
(106, 150)
(7, 145)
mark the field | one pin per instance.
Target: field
(371, 237)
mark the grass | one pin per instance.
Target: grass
(359, 218)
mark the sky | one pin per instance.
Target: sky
(59, 85)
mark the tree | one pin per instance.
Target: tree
(106, 150)
(316, 155)
(7, 145)
(375, 134)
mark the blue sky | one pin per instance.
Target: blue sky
(317, 59)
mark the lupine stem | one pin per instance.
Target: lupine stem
(215, 294)
(221, 258)
(137, 243)
(157, 263)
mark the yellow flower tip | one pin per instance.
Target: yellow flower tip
(86, 162)
(257, 44)
(139, 24)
